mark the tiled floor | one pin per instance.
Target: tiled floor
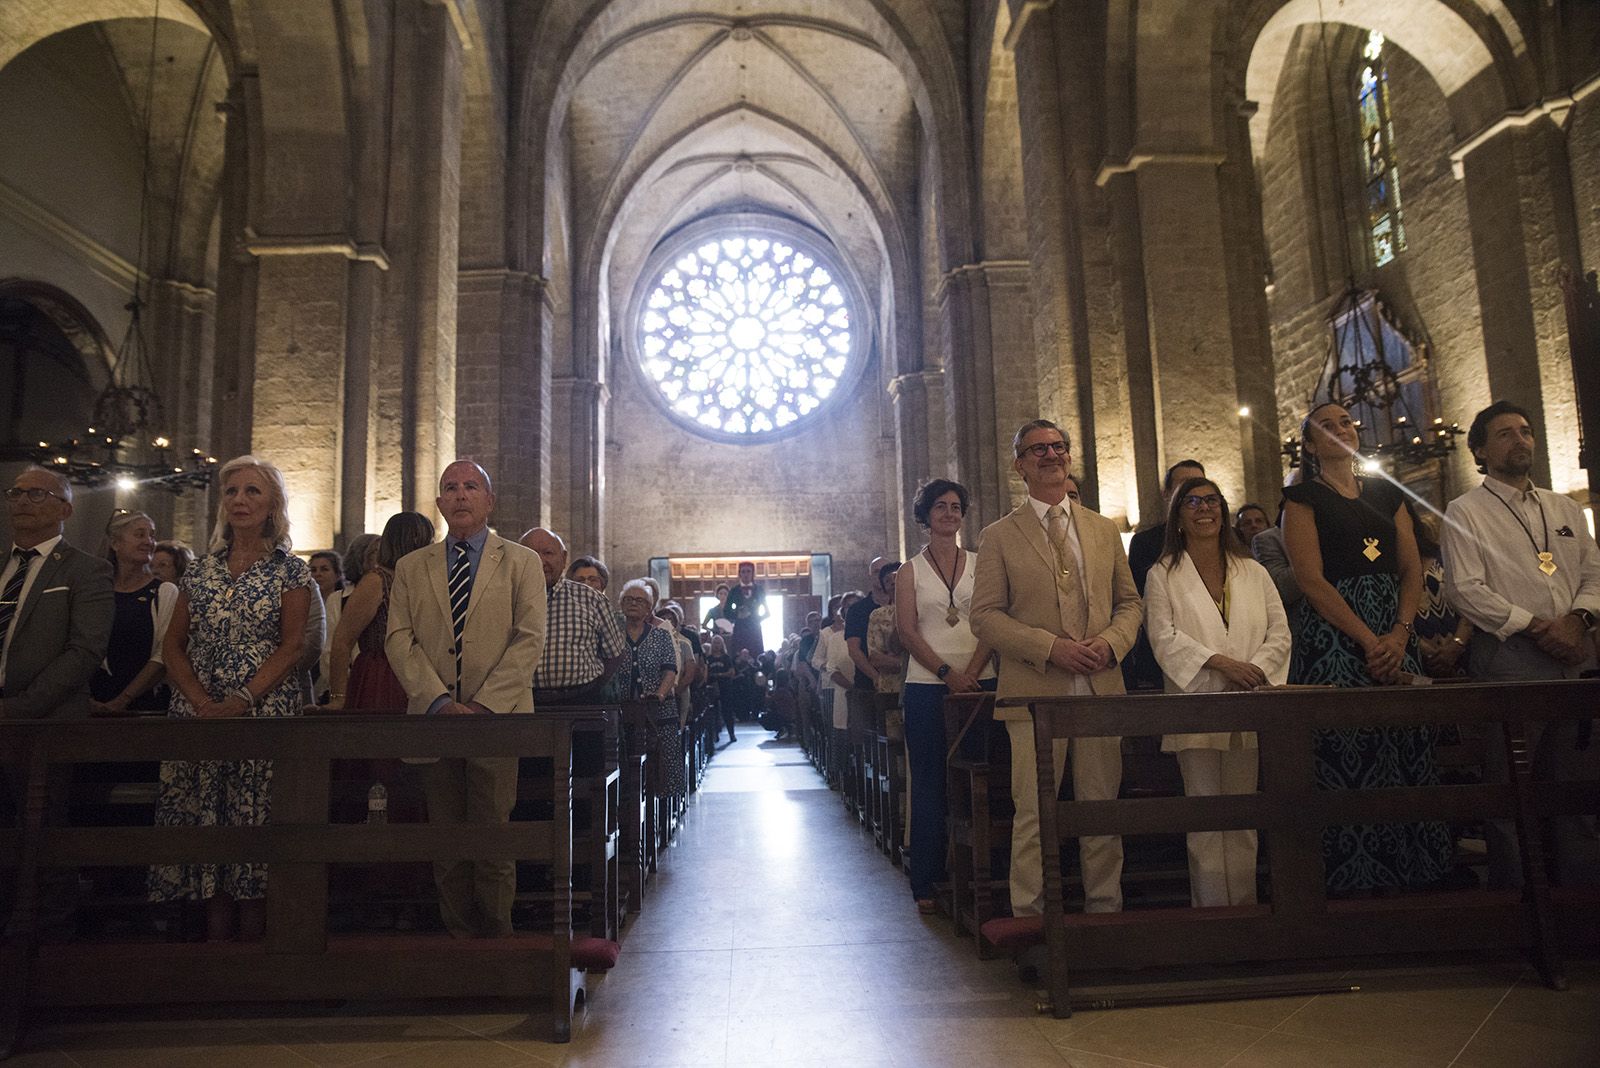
(776, 935)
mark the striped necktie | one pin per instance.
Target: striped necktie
(13, 590)
(460, 596)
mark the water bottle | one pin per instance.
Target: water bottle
(377, 804)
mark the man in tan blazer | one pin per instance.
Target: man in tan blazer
(466, 629)
(1054, 596)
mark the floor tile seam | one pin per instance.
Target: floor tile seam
(1265, 1034)
(1481, 1025)
(1308, 1003)
(1065, 1045)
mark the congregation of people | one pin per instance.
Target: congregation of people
(1351, 581)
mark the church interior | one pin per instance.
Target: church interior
(705, 281)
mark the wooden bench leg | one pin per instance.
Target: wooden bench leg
(1536, 883)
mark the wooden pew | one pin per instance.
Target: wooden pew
(1300, 922)
(977, 811)
(298, 958)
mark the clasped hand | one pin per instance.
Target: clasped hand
(1386, 655)
(1241, 674)
(1563, 639)
(228, 708)
(1081, 658)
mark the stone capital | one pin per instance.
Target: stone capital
(1020, 20)
(915, 384)
(1141, 158)
(260, 245)
(587, 392)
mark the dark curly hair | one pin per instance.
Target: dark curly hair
(1478, 433)
(932, 490)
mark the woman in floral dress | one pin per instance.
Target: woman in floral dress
(235, 639)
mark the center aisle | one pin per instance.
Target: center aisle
(776, 933)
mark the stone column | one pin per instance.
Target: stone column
(503, 389)
(576, 453)
(919, 420)
(1188, 301)
(1524, 226)
(298, 390)
(180, 329)
(998, 388)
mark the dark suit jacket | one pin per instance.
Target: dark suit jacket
(1140, 671)
(63, 628)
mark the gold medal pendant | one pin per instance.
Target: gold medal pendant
(953, 616)
(1371, 552)
(1547, 563)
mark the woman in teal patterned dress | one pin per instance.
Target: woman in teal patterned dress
(236, 636)
(1351, 545)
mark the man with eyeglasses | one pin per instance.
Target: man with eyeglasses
(1140, 672)
(56, 605)
(56, 609)
(1053, 595)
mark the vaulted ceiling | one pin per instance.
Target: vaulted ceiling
(683, 108)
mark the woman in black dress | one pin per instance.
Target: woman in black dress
(746, 607)
(129, 679)
(1351, 545)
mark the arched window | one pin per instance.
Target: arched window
(745, 331)
(1381, 174)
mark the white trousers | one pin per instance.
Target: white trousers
(1096, 776)
(1222, 864)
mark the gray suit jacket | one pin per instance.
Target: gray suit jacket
(63, 628)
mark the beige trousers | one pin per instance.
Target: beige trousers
(474, 895)
(1096, 776)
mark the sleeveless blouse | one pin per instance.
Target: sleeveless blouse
(954, 645)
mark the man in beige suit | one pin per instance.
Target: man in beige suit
(466, 629)
(1053, 594)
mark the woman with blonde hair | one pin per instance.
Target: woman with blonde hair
(130, 677)
(232, 649)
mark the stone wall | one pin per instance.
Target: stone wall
(670, 491)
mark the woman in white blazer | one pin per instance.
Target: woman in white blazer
(1216, 623)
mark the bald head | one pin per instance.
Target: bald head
(466, 498)
(552, 553)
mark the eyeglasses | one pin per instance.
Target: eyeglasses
(33, 493)
(1194, 502)
(1045, 448)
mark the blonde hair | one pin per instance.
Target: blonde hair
(121, 520)
(275, 528)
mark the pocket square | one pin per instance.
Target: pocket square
(1565, 532)
(59, 589)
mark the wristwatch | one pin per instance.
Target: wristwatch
(944, 669)
(1587, 617)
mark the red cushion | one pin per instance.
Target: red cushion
(1014, 932)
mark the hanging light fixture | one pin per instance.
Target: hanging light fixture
(1374, 368)
(127, 445)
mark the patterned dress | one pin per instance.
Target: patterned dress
(233, 629)
(1357, 539)
(648, 657)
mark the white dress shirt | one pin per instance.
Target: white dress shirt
(44, 549)
(1491, 559)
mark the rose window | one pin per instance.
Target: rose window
(745, 335)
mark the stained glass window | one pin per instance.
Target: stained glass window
(1381, 174)
(745, 334)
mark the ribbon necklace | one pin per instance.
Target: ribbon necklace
(953, 615)
(1371, 552)
(1547, 559)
